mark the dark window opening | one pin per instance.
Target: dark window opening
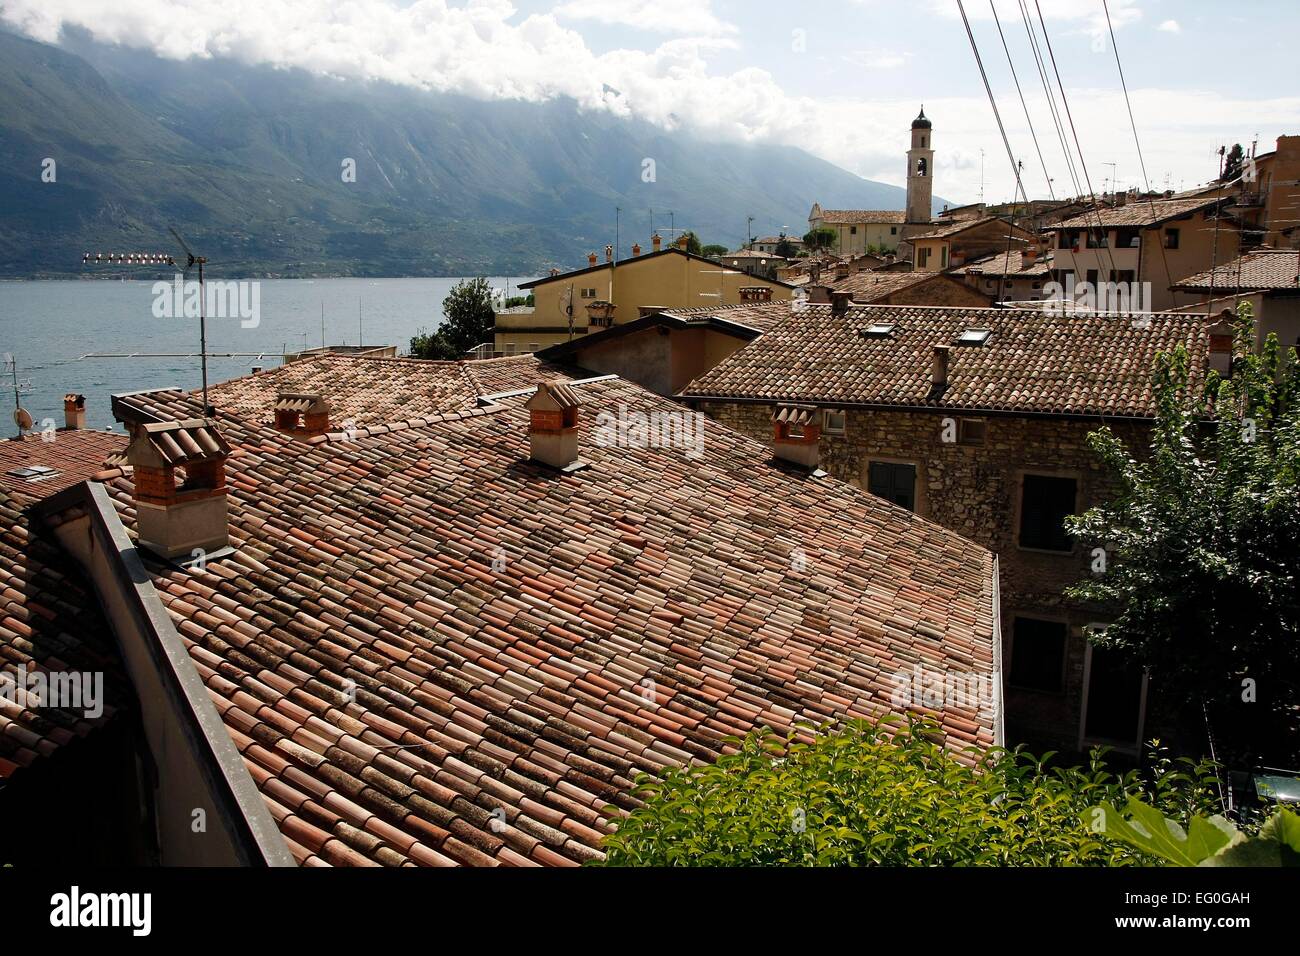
(1038, 654)
(1114, 698)
(1044, 504)
(893, 482)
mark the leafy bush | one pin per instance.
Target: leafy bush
(1207, 841)
(886, 794)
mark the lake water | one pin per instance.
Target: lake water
(49, 326)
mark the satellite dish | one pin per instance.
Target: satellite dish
(23, 419)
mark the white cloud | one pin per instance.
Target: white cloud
(879, 59)
(693, 17)
(479, 50)
(1170, 26)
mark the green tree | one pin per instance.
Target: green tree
(713, 250)
(1202, 555)
(468, 320)
(888, 794)
(785, 248)
(1232, 162)
(818, 239)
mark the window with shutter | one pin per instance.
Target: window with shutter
(893, 482)
(1044, 504)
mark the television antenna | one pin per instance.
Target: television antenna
(566, 304)
(160, 259)
(22, 417)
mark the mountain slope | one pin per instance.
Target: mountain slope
(246, 162)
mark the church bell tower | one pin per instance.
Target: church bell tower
(920, 169)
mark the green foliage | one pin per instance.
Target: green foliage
(713, 250)
(693, 244)
(1201, 543)
(823, 238)
(887, 794)
(1207, 841)
(515, 301)
(1232, 162)
(468, 321)
(785, 248)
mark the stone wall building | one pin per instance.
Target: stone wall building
(978, 420)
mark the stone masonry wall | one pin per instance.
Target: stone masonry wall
(975, 490)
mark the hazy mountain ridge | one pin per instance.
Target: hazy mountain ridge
(247, 161)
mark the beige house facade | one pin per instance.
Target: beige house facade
(609, 294)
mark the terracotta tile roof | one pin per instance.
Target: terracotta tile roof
(1080, 364)
(874, 286)
(1138, 213)
(943, 232)
(368, 391)
(1259, 270)
(74, 455)
(890, 216)
(49, 616)
(1008, 264)
(430, 650)
(755, 315)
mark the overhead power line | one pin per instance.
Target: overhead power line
(1146, 180)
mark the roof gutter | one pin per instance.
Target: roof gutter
(919, 409)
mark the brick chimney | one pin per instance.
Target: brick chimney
(1221, 340)
(939, 367)
(554, 271)
(74, 411)
(553, 425)
(841, 270)
(818, 294)
(591, 259)
(173, 520)
(656, 241)
(683, 241)
(796, 432)
(636, 249)
(755, 293)
(840, 301)
(304, 414)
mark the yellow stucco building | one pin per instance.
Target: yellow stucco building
(604, 294)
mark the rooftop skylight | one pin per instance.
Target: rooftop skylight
(974, 337)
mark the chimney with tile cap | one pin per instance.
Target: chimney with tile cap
(656, 241)
(636, 248)
(796, 434)
(591, 259)
(304, 414)
(175, 520)
(840, 301)
(74, 411)
(939, 367)
(553, 424)
(609, 253)
(683, 242)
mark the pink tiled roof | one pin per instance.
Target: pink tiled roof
(430, 650)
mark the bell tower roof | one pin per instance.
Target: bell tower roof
(921, 122)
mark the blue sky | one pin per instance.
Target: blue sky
(840, 78)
